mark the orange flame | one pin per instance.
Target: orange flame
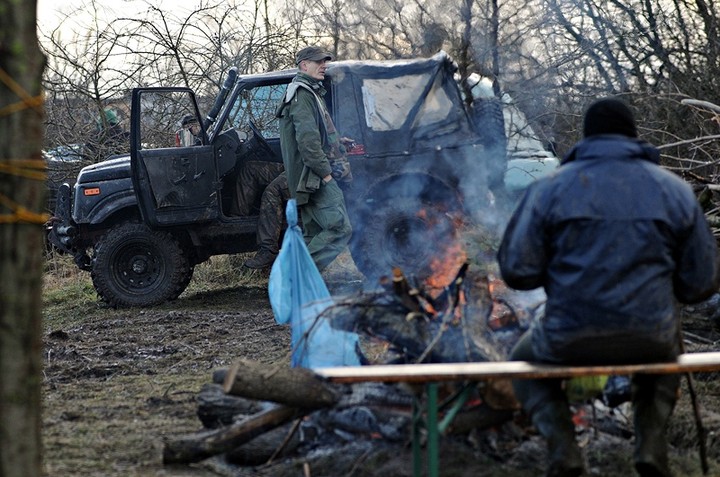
(447, 262)
(445, 267)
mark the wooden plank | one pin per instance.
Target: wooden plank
(423, 373)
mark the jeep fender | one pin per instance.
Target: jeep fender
(106, 208)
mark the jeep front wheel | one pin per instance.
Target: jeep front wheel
(134, 266)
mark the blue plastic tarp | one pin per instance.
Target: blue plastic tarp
(298, 296)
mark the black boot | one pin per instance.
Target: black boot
(652, 407)
(554, 421)
(262, 259)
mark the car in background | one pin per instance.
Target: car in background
(528, 157)
(63, 162)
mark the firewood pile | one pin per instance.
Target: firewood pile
(257, 414)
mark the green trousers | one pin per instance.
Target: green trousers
(326, 225)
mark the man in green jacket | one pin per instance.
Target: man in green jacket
(314, 159)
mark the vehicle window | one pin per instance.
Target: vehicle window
(257, 105)
(437, 105)
(162, 119)
(390, 101)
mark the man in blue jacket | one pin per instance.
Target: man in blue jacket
(616, 241)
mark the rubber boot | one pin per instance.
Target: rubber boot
(554, 421)
(262, 259)
(652, 407)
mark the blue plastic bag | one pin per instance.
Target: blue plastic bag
(298, 295)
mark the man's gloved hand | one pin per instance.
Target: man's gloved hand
(341, 170)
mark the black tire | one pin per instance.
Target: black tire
(402, 232)
(134, 266)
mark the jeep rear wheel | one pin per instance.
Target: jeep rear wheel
(136, 266)
(404, 233)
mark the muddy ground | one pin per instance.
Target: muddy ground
(118, 383)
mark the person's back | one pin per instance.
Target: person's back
(618, 225)
(616, 242)
(623, 239)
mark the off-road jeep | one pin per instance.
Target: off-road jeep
(141, 223)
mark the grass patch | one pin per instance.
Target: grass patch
(68, 293)
(223, 271)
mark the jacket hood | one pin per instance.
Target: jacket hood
(310, 81)
(615, 145)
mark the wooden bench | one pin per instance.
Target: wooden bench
(434, 373)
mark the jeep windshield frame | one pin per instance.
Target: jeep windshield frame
(245, 82)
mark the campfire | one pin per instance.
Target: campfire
(256, 414)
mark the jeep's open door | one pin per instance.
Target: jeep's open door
(173, 167)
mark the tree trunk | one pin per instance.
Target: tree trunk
(22, 197)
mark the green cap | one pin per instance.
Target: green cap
(312, 53)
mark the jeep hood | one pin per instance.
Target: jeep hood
(117, 167)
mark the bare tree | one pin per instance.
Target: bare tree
(95, 66)
(21, 232)
(654, 53)
(87, 73)
(552, 56)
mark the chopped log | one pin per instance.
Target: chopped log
(276, 443)
(294, 387)
(201, 445)
(215, 408)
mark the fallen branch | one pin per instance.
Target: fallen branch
(701, 104)
(689, 141)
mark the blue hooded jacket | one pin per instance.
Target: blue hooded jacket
(616, 241)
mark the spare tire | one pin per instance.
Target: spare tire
(403, 232)
(136, 266)
(487, 115)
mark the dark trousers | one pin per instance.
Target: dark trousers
(253, 178)
(272, 213)
(533, 394)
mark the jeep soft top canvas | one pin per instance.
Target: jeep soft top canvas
(399, 107)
